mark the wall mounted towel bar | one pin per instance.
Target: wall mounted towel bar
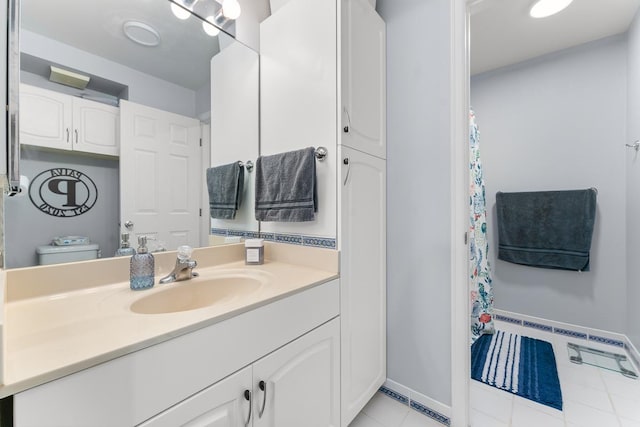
(321, 153)
(248, 165)
(635, 145)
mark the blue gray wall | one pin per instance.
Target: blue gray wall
(633, 184)
(28, 227)
(419, 195)
(143, 88)
(553, 123)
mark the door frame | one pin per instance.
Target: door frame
(460, 307)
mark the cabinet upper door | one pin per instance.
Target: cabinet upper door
(224, 404)
(363, 111)
(45, 118)
(301, 382)
(96, 127)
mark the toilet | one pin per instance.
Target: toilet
(51, 254)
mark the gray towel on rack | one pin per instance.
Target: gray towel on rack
(286, 186)
(548, 229)
(225, 184)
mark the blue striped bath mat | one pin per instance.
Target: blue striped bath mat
(521, 365)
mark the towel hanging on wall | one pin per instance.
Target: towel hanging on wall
(548, 229)
(286, 187)
(225, 184)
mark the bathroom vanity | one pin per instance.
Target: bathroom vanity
(263, 351)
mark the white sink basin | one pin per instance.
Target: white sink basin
(198, 292)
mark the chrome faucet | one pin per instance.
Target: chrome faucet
(183, 270)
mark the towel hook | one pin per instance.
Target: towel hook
(635, 145)
(321, 153)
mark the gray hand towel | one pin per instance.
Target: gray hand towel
(548, 229)
(225, 184)
(286, 186)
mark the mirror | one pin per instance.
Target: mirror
(169, 69)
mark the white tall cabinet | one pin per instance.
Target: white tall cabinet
(323, 83)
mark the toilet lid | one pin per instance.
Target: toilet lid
(50, 249)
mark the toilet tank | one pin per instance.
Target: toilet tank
(50, 254)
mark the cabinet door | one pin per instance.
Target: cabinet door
(363, 279)
(363, 78)
(225, 404)
(301, 382)
(45, 118)
(96, 127)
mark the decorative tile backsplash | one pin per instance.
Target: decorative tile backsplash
(293, 239)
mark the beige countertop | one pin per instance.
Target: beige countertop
(64, 318)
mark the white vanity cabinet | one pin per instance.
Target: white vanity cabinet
(54, 120)
(296, 385)
(301, 382)
(225, 404)
(200, 378)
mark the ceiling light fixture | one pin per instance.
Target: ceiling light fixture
(209, 28)
(182, 8)
(544, 8)
(231, 9)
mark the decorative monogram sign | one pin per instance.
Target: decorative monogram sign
(63, 192)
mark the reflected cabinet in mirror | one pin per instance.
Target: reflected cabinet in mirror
(124, 105)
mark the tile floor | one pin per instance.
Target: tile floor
(592, 397)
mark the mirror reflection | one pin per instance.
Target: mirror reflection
(121, 115)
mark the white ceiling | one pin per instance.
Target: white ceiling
(502, 33)
(96, 26)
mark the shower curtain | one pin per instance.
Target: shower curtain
(479, 268)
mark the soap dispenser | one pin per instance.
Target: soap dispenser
(142, 267)
(125, 249)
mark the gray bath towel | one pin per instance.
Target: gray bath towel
(286, 186)
(548, 229)
(225, 184)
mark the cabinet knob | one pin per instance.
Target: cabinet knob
(128, 225)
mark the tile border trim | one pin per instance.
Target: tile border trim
(416, 406)
(566, 329)
(293, 239)
(394, 395)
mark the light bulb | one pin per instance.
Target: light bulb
(544, 8)
(231, 9)
(208, 28)
(180, 12)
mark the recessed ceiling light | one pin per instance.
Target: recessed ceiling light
(544, 8)
(141, 33)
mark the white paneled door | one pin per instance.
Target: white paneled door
(160, 176)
